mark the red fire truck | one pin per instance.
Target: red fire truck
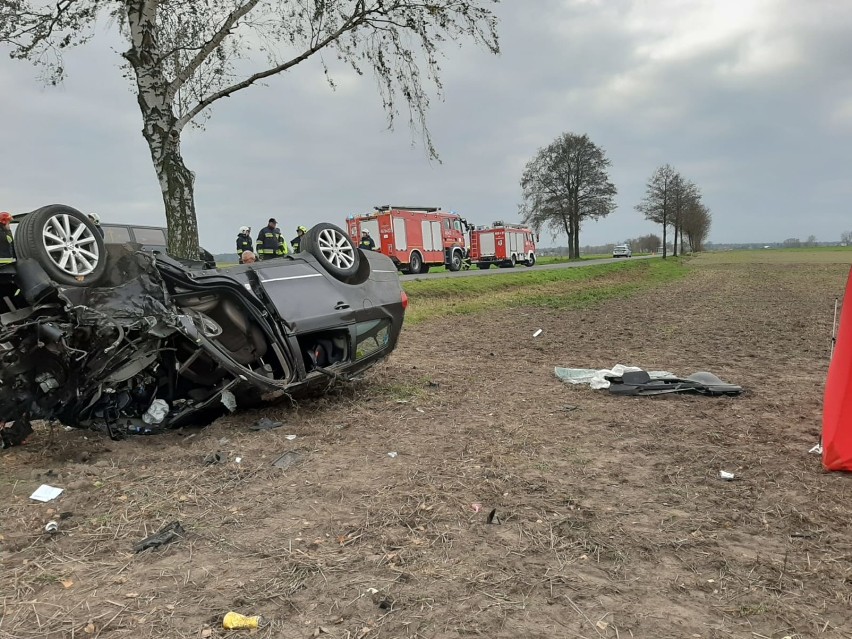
(414, 237)
(502, 244)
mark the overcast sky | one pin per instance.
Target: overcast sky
(751, 99)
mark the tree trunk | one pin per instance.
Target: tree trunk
(569, 231)
(161, 130)
(577, 236)
(674, 247)
(176, 185)
(664, 235)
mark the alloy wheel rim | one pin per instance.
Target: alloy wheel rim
(70, 245)
(335, 248)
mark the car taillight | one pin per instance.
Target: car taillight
(404, 300)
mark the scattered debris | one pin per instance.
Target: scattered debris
(14, 433)
(229, 401)
(491, 516)
(264, 423)
(725, 475)
(629, 380)
(432, 384)
(238, 460)
(156, 412)
(290, 437)
(538, 332)
(288, 460)
(165, 536)
(320, 630)
(46, 493)
(817, 449)
(476, 507)
(236, 621)
(213, 458)
(52, 527)
(393, 454)
(600, 378)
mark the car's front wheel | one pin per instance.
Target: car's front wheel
(65, 243)
(333, 249)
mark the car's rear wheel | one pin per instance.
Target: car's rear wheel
(65, 243)
(333, 249)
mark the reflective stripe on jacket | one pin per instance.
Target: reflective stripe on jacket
(367, 244)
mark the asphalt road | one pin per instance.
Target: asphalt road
(474, 271)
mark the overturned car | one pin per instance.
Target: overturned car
(116, 338)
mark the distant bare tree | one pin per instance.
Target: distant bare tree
(684, 195)
(811, 241)
(185, 55)
(645, 243)
(792, 242)
(846, 237)
(565, 183)
(658, 203)
(696, 224)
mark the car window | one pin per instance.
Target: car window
(154, 237)
(116, 234)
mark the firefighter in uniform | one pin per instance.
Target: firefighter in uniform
(7, 240)
(244, 242)
(367, 243)
(270, 244)
(296, 242)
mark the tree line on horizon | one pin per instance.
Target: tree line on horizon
(568, 183)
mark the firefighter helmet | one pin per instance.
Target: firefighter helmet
(245, 230)
(301, 229)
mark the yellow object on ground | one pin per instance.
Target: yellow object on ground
(236, 621)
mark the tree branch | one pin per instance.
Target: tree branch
(186, 73)
(353, 21)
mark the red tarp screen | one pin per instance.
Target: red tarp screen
(837, 405)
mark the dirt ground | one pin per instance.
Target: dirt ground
(610, 519)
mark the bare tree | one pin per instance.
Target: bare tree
(182, 56)
(811, 241)
(658, 203)
(792, 242)
(565, 183)
(846, 237)
(645, 243)
(696, 224)
(684, 194)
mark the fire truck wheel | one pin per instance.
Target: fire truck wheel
(484, 265)
(455, 261)
(531, 260)
(333, 249)
(415, 263)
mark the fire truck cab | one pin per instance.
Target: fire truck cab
(415, 238)
(503, 244)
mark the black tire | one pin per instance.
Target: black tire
(415, 263)
(484, 265)
(456, 260)
(424, 269)
(332, 248)
(531, 260)
(66, 244)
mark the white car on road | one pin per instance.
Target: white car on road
(622, 250)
